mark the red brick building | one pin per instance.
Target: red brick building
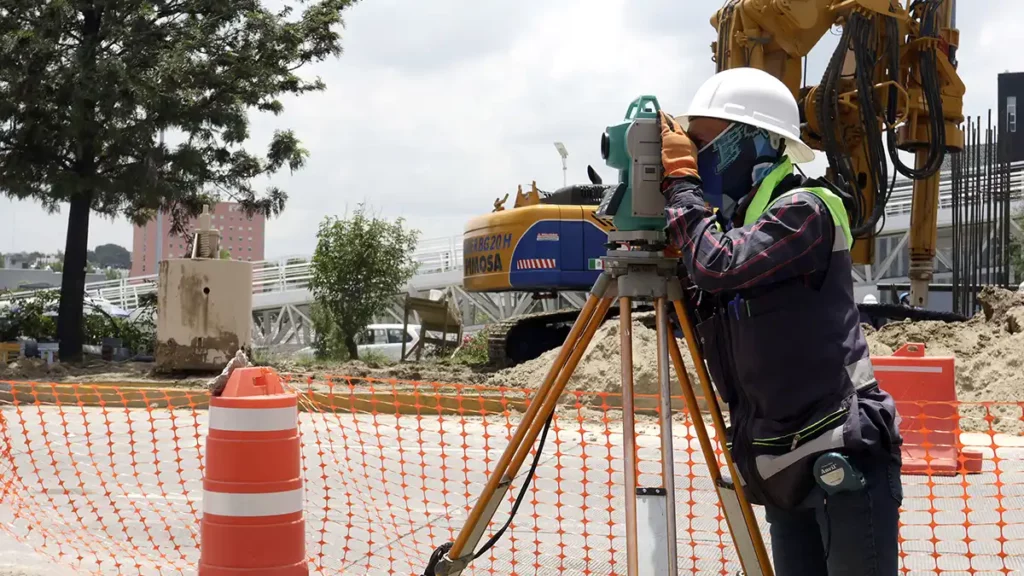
(240, 235)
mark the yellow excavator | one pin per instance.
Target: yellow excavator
(891, 85)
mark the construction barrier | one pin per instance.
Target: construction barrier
(109, 480)
(930, 431)
(253, 523)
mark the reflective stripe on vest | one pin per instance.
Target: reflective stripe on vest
(763, 199)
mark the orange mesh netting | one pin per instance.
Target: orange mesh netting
(108, 480)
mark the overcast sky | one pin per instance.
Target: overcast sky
(438, 107)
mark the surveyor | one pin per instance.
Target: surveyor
(769, 254)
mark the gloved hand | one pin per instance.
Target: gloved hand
(678, 153)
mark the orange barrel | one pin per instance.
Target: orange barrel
(253, 522)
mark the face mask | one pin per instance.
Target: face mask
(733, 163)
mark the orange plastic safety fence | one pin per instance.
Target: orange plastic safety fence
(109, 480)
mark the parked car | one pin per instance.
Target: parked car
(381, 339)
(386, 340)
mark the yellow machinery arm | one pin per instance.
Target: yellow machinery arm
(892, 76)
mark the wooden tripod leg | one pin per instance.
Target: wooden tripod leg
(539, 410)
(750, 527)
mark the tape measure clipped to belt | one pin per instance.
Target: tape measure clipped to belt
(834, 473)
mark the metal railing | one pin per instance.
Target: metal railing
(434, 256)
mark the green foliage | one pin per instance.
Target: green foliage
(328, 343)
(111, 256)
(361, 262)
(111, 274)
(35, 317)
(32, 317)
(225, 254)
(88, 89)
(375, 359)
(138, 335)
(474, 352)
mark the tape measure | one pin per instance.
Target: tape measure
(835, 474)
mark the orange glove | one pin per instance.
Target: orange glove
(678, 154)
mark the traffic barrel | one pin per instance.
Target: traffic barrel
(253, 522)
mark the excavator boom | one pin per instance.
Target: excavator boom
(890, 85)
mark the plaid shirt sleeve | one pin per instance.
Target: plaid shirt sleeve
(791, 239)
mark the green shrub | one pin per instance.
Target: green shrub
(30, 316)
(475, 351)
(35, 317)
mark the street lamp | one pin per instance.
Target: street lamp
(564, 154)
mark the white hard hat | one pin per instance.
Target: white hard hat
(1021, 287)
(870, 299)
(753, 97)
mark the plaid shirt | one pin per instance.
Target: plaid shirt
(792, 239)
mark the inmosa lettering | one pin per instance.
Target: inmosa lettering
(483, 264)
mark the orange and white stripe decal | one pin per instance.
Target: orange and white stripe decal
(535, 263)
(253, 505)
(253, 419)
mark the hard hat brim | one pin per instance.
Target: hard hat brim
(796, 149)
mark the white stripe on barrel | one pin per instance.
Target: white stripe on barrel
(253, 419)
(252, 505)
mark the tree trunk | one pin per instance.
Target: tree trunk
(72, 285)
(350, 344)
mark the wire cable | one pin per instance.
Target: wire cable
(522, 493)
(438, 555)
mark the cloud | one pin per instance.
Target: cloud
(437, 108)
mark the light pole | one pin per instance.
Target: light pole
(564, 154)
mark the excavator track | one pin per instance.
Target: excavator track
(526, 337)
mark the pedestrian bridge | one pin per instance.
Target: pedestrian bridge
(281, 294)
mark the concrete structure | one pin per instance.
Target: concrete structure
(240, 235)
(204, 313)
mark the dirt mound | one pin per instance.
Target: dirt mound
(989, 348)
(989, 351)
(408, 371)
(95, 371)
(32, 368)
(599, 369)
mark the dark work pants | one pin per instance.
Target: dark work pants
(846, 534)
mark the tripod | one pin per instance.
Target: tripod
(640, 272)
